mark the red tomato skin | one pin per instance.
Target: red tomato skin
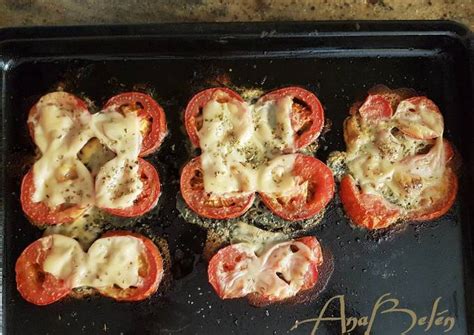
(155, 271)
(311, 169)
(150, 194)
(196, 199)
(369, 211)
(376, 107)
(197, 102)
(316, 111)
(38, 289)
(152, 141)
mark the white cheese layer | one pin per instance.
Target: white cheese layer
(110, 261)
(61, 130)
(58, 130)
(419, 119)
(118, 182)
(242, 147)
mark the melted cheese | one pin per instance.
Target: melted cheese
(59, 177)
(65, 258)
(384, 161)
(62, 181)
(85, 229)
(61, 131)
(258, 238)
(58, 122)
(278, 272)
(291, 267)
(242, 146)
(419, 119)
(118, 183)
(110, 261)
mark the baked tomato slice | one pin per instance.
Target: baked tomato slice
(148, 199)
(316, 189)
(153, 121)
(307, 114)
(280, 272)
(150, 271)
(34, 284)
(40, 213)
(193, 114)
(420, 118)
(206, 204)
(366, 210)
(74, 108)
(376, 107)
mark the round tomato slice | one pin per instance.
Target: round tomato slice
(307, 114)
(76, 108)
(148, 199)
(366, 210)
(206, 204)
(376, 107)
(420, 118)
(150, 271)
(35, 285)
(153, 121)
(317, 189)
(193, 114)
(40, 213)
(227, 269)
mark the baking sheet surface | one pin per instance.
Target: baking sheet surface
(424, 267)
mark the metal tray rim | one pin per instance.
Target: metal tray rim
(250, 29)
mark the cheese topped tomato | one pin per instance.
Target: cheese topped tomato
(397, 165)
(89, 159)
(248, 148)
(122, 265)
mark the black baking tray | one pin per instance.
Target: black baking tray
(339, 61)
